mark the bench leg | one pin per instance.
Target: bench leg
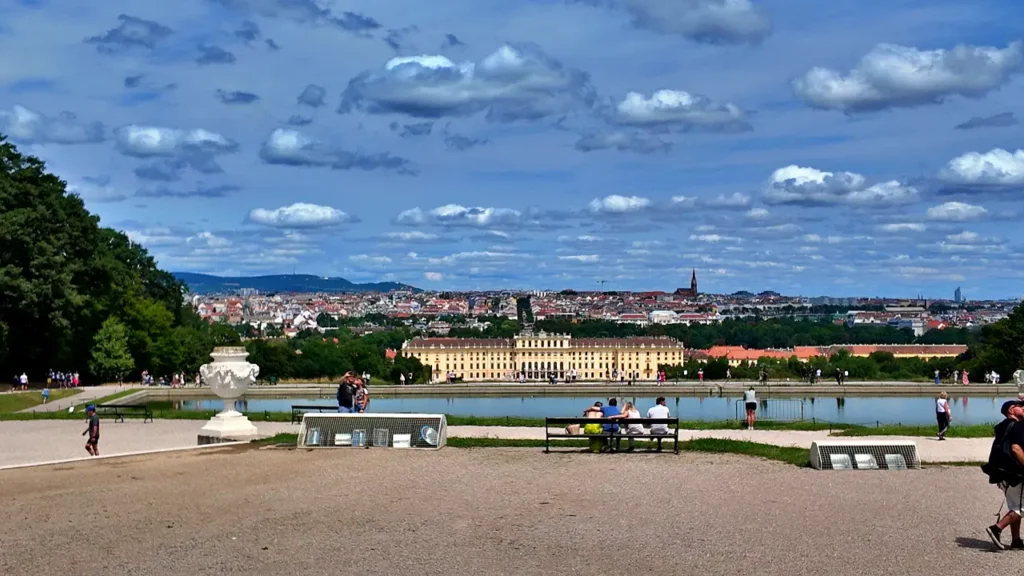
(118, 417)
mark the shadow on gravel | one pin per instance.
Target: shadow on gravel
(975, 544)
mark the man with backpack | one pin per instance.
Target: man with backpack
(347, 394)
(1005, 468)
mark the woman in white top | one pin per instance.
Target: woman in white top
(750, 399)
(942, 414)
(630, 412)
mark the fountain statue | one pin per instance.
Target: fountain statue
(1018, 377)
(229, 375)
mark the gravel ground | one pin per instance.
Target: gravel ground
(490, 511)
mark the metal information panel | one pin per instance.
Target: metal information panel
(424, 431)
(866, 455)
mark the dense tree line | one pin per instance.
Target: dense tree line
(311, 355)
(881, 366)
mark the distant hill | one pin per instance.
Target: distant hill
(207, 284)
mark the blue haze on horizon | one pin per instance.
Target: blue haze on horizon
(799, 146)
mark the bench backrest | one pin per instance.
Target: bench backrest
(561, 421)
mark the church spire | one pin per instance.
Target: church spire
(693, 281)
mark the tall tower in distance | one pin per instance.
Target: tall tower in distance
(692, 291)
(958, 296)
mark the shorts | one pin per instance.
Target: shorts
(752, 406)
(1014, 495)
(93, 441)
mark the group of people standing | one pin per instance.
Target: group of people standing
(61, 379)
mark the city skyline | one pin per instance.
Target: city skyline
(802, 148)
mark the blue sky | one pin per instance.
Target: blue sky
(802, 146)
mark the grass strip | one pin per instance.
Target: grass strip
(786, 454)
(17, 401)
(968, 431)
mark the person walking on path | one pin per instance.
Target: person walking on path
(964, 375)
(1005, 468)
(943, 414)
(46, 395)
(23, 380)
(92, 445)
(750, 401)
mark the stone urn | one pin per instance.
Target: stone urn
(228, 376)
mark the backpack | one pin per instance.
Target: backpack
(1002, 465)
(346, 393)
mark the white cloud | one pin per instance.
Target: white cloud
(893, 76)
(639, 142)
(154, 237)
(615, 204)
(678, 110)
(290, 147)
(515, 82)
(156, 141)
(757, 214)
(96, 190)
(586, 258)
(956, 212)
(714, 238)
(456, 215)
(30, 127)
(711, 21)
(898, 227)
(412, 236)
(585, 238)
(208, 240)
(996, 168)
(300, 215)
(812, 187)
(965, 237)
(433, 276)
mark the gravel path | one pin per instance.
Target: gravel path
(86, 395)
(494, 512)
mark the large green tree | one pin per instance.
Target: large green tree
(111, 359)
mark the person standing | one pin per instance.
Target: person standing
(401, 379)
(700, 375)
(346, 394)
(92, 445)
(750, 402)
(46, 395)
(362, 397)
(966, 376)
(937, 380)
(943, 414)
(1005, 468)
(956, 376)
(23, 380)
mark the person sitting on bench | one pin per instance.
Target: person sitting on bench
(594, 411)
(659, 410)
(611, 411)
(629, 411)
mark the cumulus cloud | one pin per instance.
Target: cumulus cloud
(412, 236)
(623, 142)
(675, 110)
(30, 127)
(208, 240)
(758, 214)
(900, 76)
(459, 142)
(131, 32)
(305, 11)
(370, 260)
(300, 215)
(714, 238)
(811, 187)
(195, 148)
(154, 237)
(455, 215)
(433, 276)
(996, 169)
(616, 204)
(312, 96)
(293, 148)
(736, 200)
(899, 227)
(516, 82)
(236, 97)
(709, 21)
(994, 121)
(956, 212)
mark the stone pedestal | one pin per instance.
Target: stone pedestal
(229, 375)
(227, 426)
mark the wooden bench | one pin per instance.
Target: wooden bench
(299, 409)
(615, 435)
(119, 411)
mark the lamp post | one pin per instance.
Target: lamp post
(229, 376)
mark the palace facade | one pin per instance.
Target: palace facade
(541, 355)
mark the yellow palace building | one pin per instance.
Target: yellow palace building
(538, 356)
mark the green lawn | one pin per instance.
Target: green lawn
(967, 431)
(794, 456)
(17, 401)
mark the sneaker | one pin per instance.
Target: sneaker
(1017, 545)
(994, 532)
